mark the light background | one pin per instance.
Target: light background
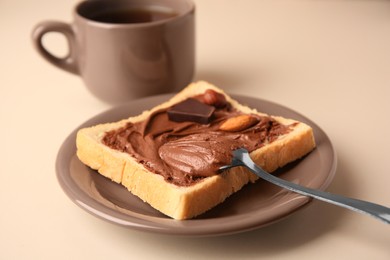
(329, 60)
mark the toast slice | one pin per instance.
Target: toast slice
(185, 202)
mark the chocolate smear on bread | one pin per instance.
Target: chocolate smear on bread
(186, 146)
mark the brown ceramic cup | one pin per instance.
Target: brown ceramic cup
(127, 49)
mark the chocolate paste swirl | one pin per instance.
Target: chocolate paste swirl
(186, 152)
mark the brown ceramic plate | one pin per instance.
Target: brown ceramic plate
(256, 205)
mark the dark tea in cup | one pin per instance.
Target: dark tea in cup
(133, 15)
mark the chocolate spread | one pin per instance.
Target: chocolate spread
(185, 152)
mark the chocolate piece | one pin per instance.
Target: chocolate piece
(191, 110)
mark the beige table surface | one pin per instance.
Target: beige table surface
(329, 60)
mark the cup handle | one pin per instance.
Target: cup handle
(69, 62)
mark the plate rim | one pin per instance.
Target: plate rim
(88, 203)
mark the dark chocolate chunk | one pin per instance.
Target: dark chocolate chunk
(191, 110)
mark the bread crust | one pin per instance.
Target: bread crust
(187, 202)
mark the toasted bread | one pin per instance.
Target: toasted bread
(185, 202)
